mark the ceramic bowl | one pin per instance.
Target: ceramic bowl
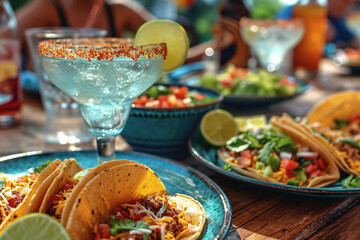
(165, 131)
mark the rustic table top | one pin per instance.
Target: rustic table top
(257, 213)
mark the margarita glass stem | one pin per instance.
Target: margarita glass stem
(105, 148)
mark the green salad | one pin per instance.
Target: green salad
(241, 82)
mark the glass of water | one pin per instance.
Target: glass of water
(64, 123)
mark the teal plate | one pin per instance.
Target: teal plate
(177, 178)
(207, 155)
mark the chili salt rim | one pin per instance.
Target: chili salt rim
(100, 49)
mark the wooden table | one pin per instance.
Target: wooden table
(257, 213)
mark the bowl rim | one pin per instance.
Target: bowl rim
(219, 99)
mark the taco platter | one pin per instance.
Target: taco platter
(337, 120)
(83, 209)
(283, 153)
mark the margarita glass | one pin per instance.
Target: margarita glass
(103, 76)
(271, 40)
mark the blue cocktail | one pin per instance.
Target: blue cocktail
(103, 76)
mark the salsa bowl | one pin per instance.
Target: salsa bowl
(165, 131)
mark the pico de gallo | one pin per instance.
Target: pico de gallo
(275, 155)
(235, 81)
(150, 217)
(344, 135)
(161, 96)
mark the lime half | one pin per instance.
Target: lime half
(218, 126)
(35, 226)
(169, 32)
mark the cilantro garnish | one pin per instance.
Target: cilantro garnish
(340, 123)
(127, 224)
(165, 206)
(266, 151)
(40, 168)
(227, 167)
(2, 184)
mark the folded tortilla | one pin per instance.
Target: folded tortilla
(299, 134)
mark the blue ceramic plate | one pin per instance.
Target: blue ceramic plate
(207, 155)
(177, 178)
(255, 101)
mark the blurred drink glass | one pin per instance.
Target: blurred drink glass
(64, 123)
(308, 53)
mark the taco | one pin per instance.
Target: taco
(132, 201)
(62, 193)
(285, 152)
(17, 193)
(337, 120)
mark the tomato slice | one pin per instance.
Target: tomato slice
(310, 168)
(181, 92)
(103, 229)
(246, 154)
(288, 164)
(321, 164)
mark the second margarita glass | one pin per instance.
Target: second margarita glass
(103, 76)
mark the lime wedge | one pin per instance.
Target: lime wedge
(35, 226)
(82, 173)
(218, 126)
(250, 123)
(169, 32)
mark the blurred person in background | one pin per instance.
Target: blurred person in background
(118, 18)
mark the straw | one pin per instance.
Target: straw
(94, 13)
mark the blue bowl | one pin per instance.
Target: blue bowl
(165, 131)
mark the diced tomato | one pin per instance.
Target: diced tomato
(199, 96)
(317, 173)
(321, 164)
(181, 92)
(68, 185)
(290, 173)
(138, 217)
(246, 154)
(238, 72)
(162, 98)
(354, 117)
(227, 82)
(288, 164)
(286, 81)
(152, 104)
(164, 104)
(180, 104)
(34, 176)
(103, 229)
(15, 201)
(56, 197)
(310, 168)
(120, 217)
(141, 101)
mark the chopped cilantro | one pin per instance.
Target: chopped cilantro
(238, 144)
(1, 184)
(265, 152)
(340, 123)
(350, 141)
(165, 206)
(227, 167)
(127, 224)
(351, 182)
(40, 168)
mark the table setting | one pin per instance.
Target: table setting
(123, 139)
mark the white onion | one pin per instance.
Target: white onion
(149, 212)
(285, 155)
(307, 154)
(4, 198)
(25, 189)
(163, 230)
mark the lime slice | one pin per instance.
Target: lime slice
(250, 123)
(35, 226)
(169, 32)
(82, 173)
(218, 126)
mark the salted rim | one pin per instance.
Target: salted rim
(100, 49)
(283, 23)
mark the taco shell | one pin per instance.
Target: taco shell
(300, 134)
(23, 206)
(106, 191)
(337, 106)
